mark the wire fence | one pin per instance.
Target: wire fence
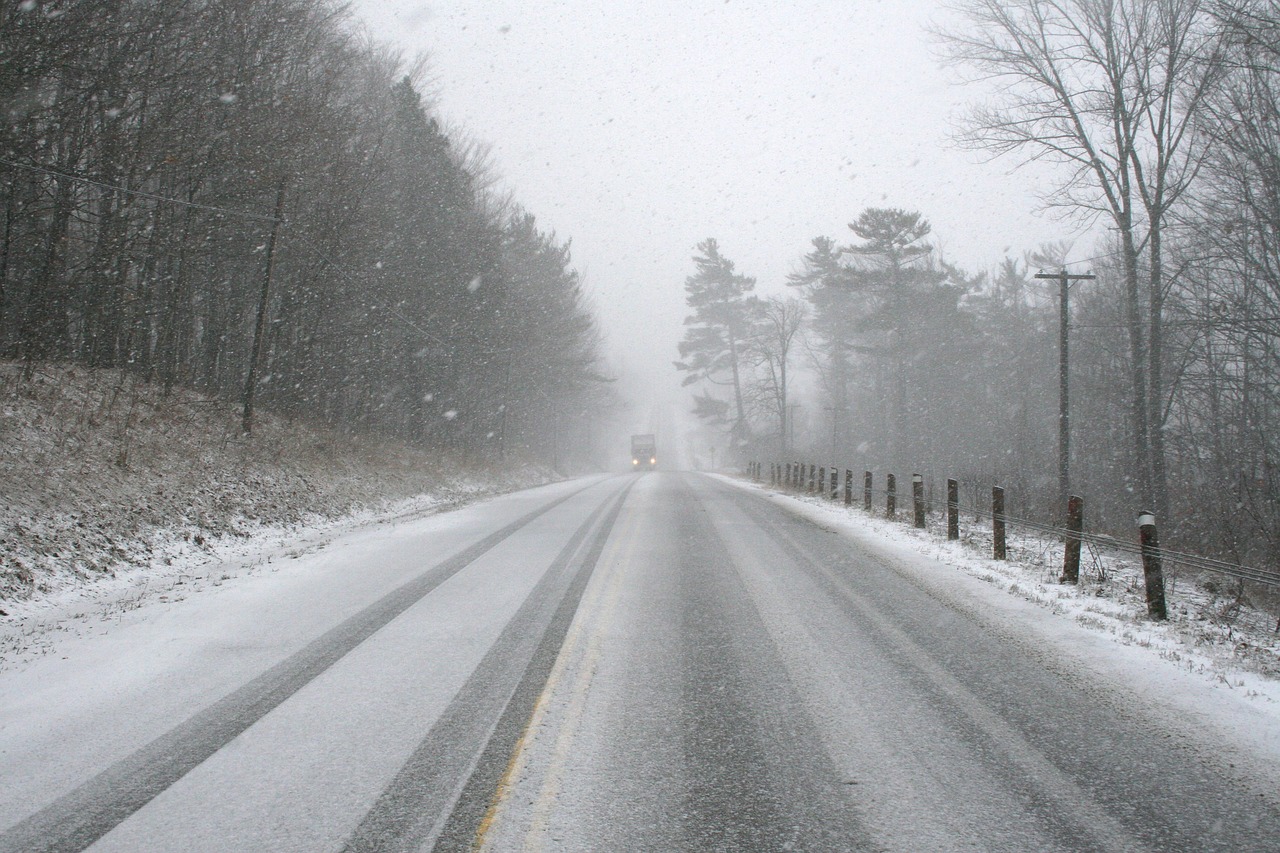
(973, 507)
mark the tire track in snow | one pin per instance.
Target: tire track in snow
(79, 818)
(440, 797)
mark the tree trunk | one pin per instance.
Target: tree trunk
(1138, 359)
(6, 241)
(41, 337)
(1156, 405)
(740, 425)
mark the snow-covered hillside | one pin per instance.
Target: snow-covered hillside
(105, 475)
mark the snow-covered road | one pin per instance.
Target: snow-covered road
(653, 662)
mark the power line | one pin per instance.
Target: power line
(243, 214)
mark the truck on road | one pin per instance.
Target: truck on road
(644, 452)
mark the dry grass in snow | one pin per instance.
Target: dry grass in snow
(104, 474)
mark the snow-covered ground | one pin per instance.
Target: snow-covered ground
(102, 472)
(116, 491)
(1214, 664)
(248, 602)
(117, 496)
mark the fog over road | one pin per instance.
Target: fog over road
(662, 661)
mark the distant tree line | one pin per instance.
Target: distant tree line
(1166, 117)
(166, 166)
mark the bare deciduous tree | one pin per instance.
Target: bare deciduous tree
(1108, 90)
(780, 321)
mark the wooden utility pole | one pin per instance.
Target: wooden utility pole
(1064, 417)
(260, 328)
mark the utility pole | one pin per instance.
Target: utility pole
(1064, 417)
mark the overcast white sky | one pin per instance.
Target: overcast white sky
(639, 129)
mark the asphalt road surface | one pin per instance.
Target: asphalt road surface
(654, 662)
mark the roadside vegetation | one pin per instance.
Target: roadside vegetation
(105, 474)
(1156, 121)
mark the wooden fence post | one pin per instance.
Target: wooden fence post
(917, 498)
(1071, 552)
(866, 491)
(822, 480)
(891, 497)
(848, 486)
(997, 523)
(1152, 569)
(813, 474)
(835, 483)
(953, 509)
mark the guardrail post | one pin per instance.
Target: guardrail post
(866, 490)
(813, 474)
(891, 496)
(917, 498)
(1071, 552)
(835, 483)
(998, 550)
(822, 480)
(953, 509)
(848, 486)
(1152, 570)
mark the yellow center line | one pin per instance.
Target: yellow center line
(580, 687)
(520, 755)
